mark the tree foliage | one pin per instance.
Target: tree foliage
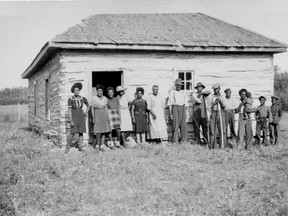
(10, 96)
(281, 87)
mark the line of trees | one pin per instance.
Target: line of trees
(281, 87)
(9, 96)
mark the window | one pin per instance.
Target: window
(186, 77)
(47, 99)
(35, 98)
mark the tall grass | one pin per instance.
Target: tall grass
(36, 178)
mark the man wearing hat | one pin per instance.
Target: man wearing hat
(263, 116)
(216, 105)
(178, 103)
(231, 106)
(200, 113)
(276, 112)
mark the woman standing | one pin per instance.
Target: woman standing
(125, 117)
(139, 115)
(114, 116)
(100, 117)
(77, 116)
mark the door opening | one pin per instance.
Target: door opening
(106, 79)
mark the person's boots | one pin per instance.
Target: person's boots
(80, 145)
(67, 148)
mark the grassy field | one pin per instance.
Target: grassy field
(36, 178)
(9, 113)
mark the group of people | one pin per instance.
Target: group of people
(213, 116)
(116, 114)
(215, 113)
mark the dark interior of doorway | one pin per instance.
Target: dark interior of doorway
(107, 79)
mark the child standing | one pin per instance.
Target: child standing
(274, 129)
(248, 102)
(263, 116)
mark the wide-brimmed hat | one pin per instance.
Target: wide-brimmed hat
(120, 88)
(262, 97)
(275, 97)
(216, 85)
(76, 85)
(178, 81)
(199, 84)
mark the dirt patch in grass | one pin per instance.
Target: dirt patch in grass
(39, 179)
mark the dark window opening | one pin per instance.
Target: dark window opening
(106, 79)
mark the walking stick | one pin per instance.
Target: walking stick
(208, 129)
(221, 126)
(199, 129)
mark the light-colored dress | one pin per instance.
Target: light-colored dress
(126, 122)
(101, 118)
(158, 127)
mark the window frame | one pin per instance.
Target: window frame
(184, 81)
(35, 98)
(47, 98)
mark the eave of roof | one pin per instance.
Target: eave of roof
(51, 47)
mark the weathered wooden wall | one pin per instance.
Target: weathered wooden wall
(251, 71)
(50, 71)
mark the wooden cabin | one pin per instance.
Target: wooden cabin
(140, 49)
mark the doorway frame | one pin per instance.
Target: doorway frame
(89, 73)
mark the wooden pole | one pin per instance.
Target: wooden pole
(221, 126)
(208, 129)
(18, 109)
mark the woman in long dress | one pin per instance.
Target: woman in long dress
(140, 116)
(114, 117)
(100, 118)
(77, 116)
(157, 123)
(125, 116)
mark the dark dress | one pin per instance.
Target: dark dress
(140, 115)
(78, 117)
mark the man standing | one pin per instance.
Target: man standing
(215, 104)
(274, 129)
(245, 124)
(231, 106)
(178, 103)
(156, 107)
(262, 116)
(200, 113)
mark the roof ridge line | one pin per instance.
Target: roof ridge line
(246, 29)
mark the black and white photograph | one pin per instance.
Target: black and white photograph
(144, 107)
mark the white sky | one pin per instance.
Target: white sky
(26, 26)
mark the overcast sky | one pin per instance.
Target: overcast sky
(26, 26)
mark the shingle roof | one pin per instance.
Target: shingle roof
(187, 30)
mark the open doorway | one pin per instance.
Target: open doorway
(107, 79)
